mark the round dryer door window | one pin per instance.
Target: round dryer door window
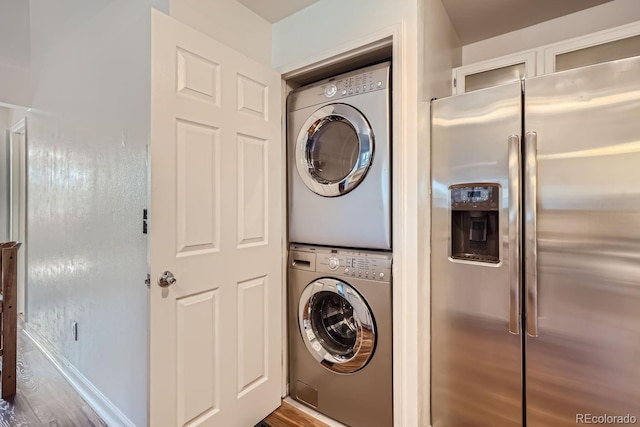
(337, 326)
(334, 150)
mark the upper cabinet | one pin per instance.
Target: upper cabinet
(609, 45)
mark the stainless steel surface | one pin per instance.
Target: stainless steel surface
(351, 150)
(363, 397)
(166, 279)
(476, 363)
(586, 356)
(531, 243)
(359, 212)
(495, 77)
(514, 235)
(582, 263)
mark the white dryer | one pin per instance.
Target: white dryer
(339, 160)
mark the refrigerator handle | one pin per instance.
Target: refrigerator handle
(531, 249)
(514, 234)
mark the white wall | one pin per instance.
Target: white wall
(608, 15)
(15, 81)
(228, 22)
(87, 185)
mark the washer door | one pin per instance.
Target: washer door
(334, 150)
(337, 326)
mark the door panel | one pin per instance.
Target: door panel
(215, 223)
(585, 357)
(476, 362)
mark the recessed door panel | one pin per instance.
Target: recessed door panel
(198, 362)
(197, 164)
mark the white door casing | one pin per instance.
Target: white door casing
(216, 224)
(18, 201)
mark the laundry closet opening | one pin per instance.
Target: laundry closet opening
(339, 291)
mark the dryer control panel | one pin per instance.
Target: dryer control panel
(371, 265)
(369, 79)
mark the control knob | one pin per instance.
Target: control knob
(330, 90)
(334, 263)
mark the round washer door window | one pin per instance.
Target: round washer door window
(337, 326)
(334, 150)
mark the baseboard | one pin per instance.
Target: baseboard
(109, 413)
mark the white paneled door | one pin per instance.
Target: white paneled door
(215, 224)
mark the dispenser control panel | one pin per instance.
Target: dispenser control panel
(474, 197)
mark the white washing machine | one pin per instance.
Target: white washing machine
(339, 160)
(340, 324)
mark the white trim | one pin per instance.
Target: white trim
(284, 242)
(582, 42)
(527, 57)
(20, 128)
(109, 413)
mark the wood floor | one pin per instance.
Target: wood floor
(289, 416)
(44, 397)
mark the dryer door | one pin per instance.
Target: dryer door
(334, 150)
(337, 325)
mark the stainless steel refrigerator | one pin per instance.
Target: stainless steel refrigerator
(536, 251)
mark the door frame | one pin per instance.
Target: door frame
(19, 128)
(409, 343)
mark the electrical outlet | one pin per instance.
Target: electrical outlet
(74, 330)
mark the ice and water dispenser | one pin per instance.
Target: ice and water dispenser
(475, 221)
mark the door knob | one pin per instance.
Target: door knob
(166, 279)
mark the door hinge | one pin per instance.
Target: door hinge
(147, 281)
(455, 82)
(144, 221)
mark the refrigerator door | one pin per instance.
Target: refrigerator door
(476, 364)
(584, 359)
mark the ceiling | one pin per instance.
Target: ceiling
(275, 10)
(481, 19)
(473, 20)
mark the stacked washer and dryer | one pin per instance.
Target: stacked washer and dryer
(339, 278)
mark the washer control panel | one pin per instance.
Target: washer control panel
(371, 265)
